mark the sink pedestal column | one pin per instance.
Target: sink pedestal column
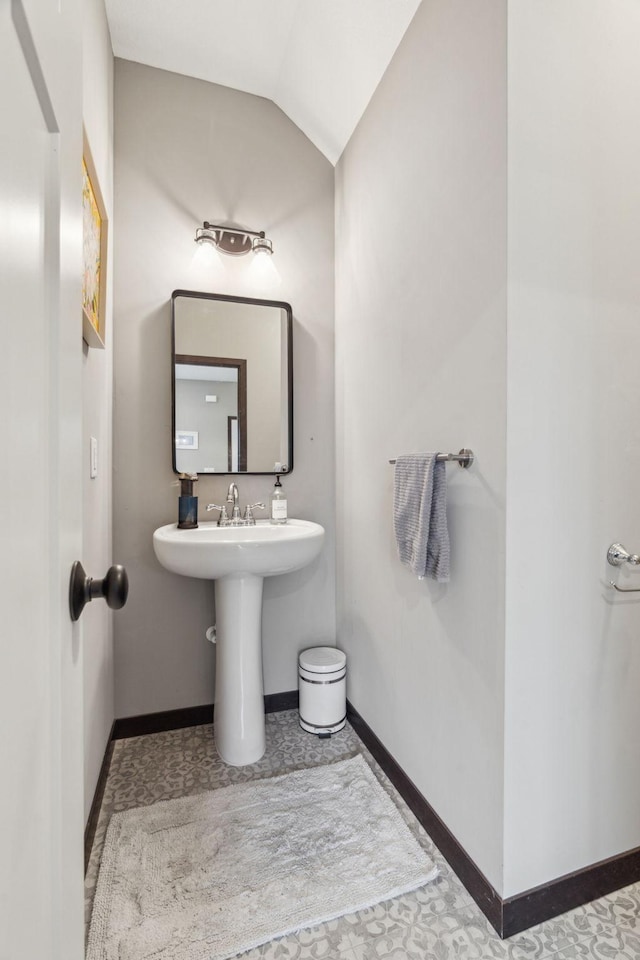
(238, 715)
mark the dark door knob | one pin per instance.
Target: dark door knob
(114, 587)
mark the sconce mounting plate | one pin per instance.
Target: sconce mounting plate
(235, 244)
(234, 241)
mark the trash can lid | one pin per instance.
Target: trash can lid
(323, 659)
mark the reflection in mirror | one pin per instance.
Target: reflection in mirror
(232, 384)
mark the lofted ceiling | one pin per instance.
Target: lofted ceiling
(318, 60)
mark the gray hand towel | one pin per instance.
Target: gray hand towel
(420, 515)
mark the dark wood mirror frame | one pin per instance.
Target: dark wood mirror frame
(241, 366)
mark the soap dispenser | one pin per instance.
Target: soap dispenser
(278, 503)
(187, 502)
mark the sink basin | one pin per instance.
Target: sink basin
(237, 559)
(211, 552)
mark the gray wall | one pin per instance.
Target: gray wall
(510, 695)
(572, 710)
(187, 151)
(97, 619)
(421, 365)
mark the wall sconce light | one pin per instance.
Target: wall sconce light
(233, 240)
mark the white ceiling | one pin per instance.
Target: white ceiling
(318, 60)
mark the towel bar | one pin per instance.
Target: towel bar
(464, 458)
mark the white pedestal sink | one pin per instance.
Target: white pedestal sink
(238, 558)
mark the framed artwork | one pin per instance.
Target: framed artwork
(94, 254)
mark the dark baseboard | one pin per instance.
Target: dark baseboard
(571, 891)
(94, 813)
(514, 914)
(508, 917)
(126, 727)
(190, 716)
(275, 702)
(474, 880)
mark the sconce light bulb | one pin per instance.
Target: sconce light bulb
(205, 235)
(262, 245)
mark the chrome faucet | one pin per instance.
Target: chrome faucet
(232, 497)
(235, 520)
(249, 520)
(223, 519)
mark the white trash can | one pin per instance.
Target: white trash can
(322, 685)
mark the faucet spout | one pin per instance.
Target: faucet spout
(232, 497)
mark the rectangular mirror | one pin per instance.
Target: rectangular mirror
(232, 384)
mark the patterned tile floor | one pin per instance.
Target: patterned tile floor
(439, 921)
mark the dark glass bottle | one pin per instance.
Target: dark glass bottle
(187, 503)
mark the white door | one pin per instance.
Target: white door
(40, 492)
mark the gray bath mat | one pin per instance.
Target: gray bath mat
(209, 876)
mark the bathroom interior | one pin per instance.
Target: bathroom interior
(459, 249)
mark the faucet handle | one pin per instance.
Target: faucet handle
(224, 516)
(248, 513)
